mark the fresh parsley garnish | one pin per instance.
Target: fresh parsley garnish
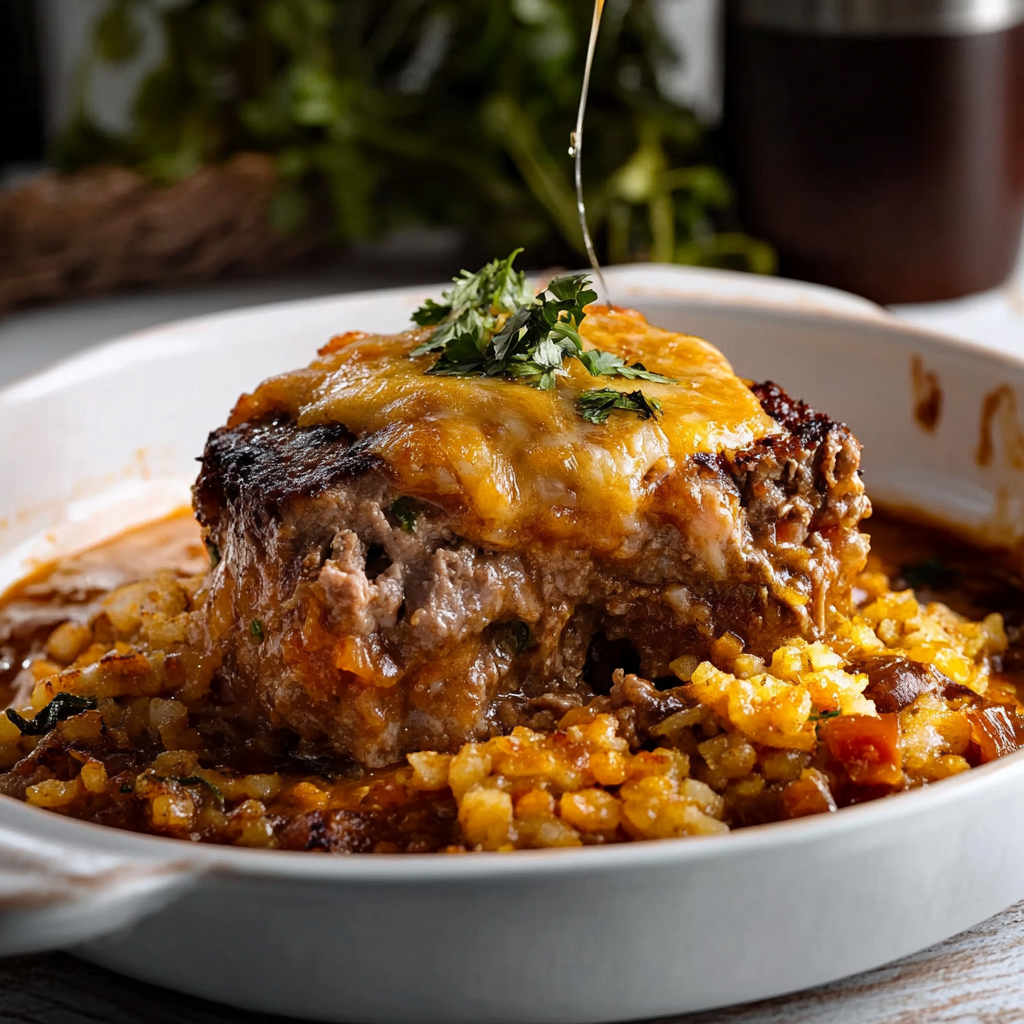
(532, 342)
(63, 706)
(470, 309)
(406, 512)
(930, 574)
(607, 364)
(256, 629)
(597, 406)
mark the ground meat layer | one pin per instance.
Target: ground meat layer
(358, 618)
(122, 721)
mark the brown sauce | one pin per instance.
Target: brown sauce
(73, 587)
(927, 395)
(1000, 424)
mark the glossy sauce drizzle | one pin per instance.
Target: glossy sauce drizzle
(576, 149)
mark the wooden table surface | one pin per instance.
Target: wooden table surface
(975, 978)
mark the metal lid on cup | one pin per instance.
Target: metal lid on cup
(879, 17)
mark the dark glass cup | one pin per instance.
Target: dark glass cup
(879, 144)
(21, 95)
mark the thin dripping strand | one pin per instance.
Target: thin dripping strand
(576, 151)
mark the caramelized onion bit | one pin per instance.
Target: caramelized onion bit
(894, 683)
(997, 729)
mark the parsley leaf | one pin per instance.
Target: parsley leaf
(531, 345)
(597, 406)
(491, 326)
(256, 630)
(406, 512)
(607, 364)
(63, 706)
(468, 313)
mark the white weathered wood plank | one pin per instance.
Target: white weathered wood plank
(975, 978)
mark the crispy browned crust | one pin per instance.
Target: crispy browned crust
(260, 466)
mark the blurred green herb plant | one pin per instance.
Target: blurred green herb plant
(390, 113)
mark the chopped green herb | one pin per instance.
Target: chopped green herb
(188, 780)
(405, 510)
(256, 629)
(63, 706)
(469, 311)
(605, 364)
(821, 716)
(929, 574)
(198, 780)
(213, 551)
(520, 638)
(597, 406)
(537, 336)
(126, 787)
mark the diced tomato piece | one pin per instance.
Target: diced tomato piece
(997, 729)
(808, 795)
(868, 747)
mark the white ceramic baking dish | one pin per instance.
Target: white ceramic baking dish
(108, 439)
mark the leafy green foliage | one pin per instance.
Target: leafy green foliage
(117, 34)
(817, 717)
(63, 706)
(597, 406)
(538, 333)
(606, 364)
(424, 112)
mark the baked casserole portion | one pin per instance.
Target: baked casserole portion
(532, 574)
(409, 561)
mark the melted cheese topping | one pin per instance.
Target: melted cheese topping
(513, 464)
